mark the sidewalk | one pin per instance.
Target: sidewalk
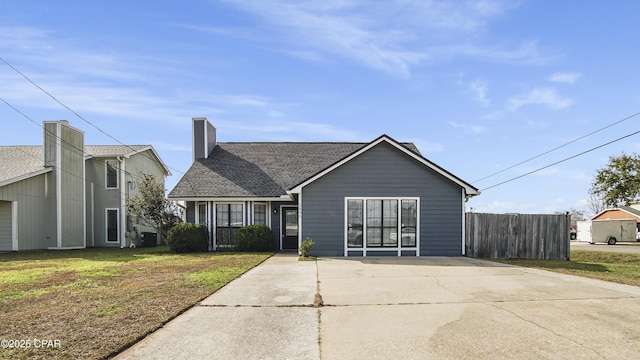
(267, 313)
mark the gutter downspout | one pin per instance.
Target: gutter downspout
(122, 222)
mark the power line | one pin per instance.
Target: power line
(61, 141)
(563, 160)
(558, 147)
(85, 120)
(72, 111)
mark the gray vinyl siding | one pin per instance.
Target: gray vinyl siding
(72, 190)
(6, 233)
(103, 198)
(136, 166)
(36, 216)
(108, 198)
(383, 171)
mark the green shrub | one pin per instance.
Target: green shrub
(306, 246)
(188, 237)
(254, 238)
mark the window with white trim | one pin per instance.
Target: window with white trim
(112, 220)
(260, 214)
(229, 218)
(202, 213)
(381, 223)
(111, 174)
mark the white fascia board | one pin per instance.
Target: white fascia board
(470, 191)
(222, 199)
(164, 167)
(25, 176)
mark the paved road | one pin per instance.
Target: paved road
(404, 308)
(624, 247)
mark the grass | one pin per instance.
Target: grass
(99, 301)
(622, 268)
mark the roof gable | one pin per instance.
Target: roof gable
(631, 212)
(469, 189)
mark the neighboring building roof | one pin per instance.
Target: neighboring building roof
(621, 212)
(20, 162)
(113, 150)
(123, 150)
(264, 169)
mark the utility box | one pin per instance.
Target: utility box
(613, 230)
(149, 239)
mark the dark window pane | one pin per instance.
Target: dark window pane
(202, 214)
(112, 174)
(409, 222)
(112, 225)
(291, 224)
(374, 236)
(260, 214)
(354, 219)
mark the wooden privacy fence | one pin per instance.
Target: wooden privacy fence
(518, 236)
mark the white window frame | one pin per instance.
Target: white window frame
(106, 225)
(267, 213)
(215, 217)
(106, 174)
(372, 250)
(206, 215)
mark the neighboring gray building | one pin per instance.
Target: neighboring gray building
(65, 195)
(352, 199)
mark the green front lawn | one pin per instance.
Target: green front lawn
(621, 268)
(91, 303)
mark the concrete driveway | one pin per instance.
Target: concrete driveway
(403, 308)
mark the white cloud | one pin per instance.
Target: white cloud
(392, 36)
(476, 129)
(548, 97)
(480, 89)
(568, 78)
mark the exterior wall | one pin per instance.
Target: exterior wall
(6, 229)
(103, 199)
(35, 214)
(136, 166)
(71, 188)
(383, 171)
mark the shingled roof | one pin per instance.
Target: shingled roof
(262, 169)
(20, 161)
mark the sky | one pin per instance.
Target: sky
(478, 86)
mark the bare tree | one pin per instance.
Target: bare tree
(595, 205)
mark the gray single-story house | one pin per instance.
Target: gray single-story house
(68, 195)
(352, 199)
